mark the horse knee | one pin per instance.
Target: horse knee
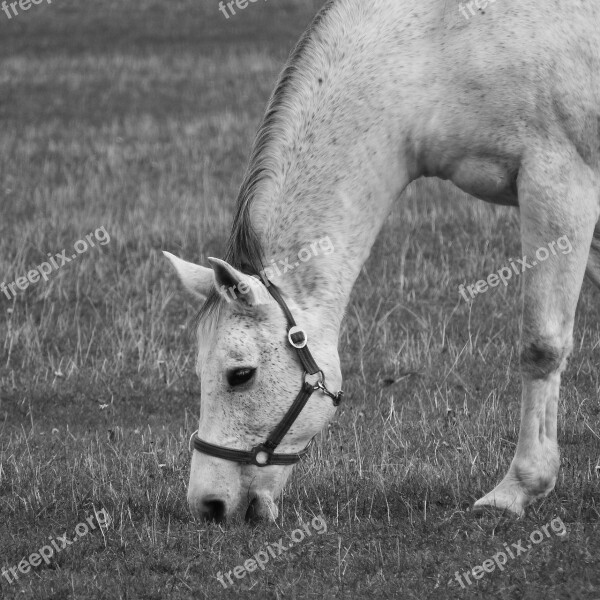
(541, 357)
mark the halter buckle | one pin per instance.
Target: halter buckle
(297, 337)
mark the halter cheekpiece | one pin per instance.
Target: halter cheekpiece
(264, 455)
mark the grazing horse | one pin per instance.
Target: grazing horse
(504, 101)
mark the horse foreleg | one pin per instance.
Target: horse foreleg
(558, 196)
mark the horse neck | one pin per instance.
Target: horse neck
(315, 248)
(326, 164)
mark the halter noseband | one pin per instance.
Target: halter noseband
(263, 454)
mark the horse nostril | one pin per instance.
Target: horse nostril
(213, 510)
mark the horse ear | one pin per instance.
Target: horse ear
(234, 285)
(196, 279)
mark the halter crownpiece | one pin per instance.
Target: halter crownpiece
(263, 455)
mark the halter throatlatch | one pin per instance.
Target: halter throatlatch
(264, 454)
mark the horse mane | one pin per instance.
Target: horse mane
(244, 249)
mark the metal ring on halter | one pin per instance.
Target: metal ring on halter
(321, 385)
(318, 385)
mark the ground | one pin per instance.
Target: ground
(138, 117)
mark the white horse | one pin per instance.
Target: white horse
(505, 104)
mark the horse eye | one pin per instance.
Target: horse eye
(239, 376)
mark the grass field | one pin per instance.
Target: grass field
(138, 117)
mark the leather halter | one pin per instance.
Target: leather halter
(263, 455)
